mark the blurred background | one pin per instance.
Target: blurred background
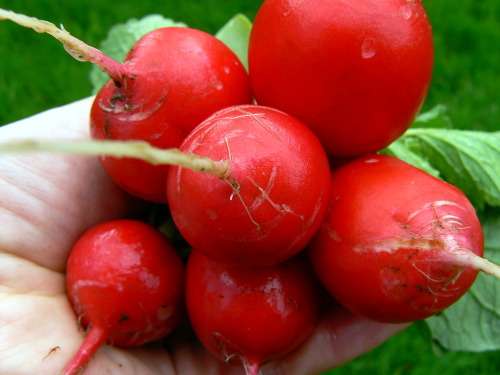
(37, 74)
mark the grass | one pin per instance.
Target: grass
(35, 71)
(466, 71)
(37, 74)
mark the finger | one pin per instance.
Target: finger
(189, 356)
(39, 335)
(339, 338)
(49, 200)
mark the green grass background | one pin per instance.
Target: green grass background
(37, 74)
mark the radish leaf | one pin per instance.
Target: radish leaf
(236, 35)
(468, 159)
(404, 149)
(436, 117)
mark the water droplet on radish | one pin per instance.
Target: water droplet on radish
(368, 48)
(226, 69)
(406, 11)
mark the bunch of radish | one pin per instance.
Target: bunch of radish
(272, 178)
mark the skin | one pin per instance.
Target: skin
(47, 202)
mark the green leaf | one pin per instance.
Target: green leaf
(406, 149)
(473, 323)
(122, 37)
(236, 35)
(437, 117)
(470, 160)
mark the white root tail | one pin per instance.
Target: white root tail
(75, 47)
(133, 149)
(469, 259)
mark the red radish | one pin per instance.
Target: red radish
(125, 282)
(251, 315)
(172, 79)
(176, 78)
(273, 197)
(397, 244)
(356, 72)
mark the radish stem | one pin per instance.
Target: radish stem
(133, 149)
(75, 47)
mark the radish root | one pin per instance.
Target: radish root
(93, 341)
(466, 258)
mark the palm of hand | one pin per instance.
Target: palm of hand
(47, 202)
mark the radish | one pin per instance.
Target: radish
(125, 283)
(251, 315)
(397, 244)
(171, 80)
(357, 72)
(271, 200)
(263, 191)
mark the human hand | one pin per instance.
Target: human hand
(47, 202)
